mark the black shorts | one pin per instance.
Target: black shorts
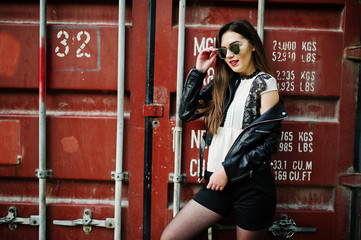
(253, 200)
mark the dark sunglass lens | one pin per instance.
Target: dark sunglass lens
(234, 48)
(222, 52)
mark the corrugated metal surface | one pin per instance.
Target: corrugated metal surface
(304, 40)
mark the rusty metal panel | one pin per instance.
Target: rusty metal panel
(10, 142)
(304, 41)
(19, 51)
(28, 138)
(84, 57)
(80, 57)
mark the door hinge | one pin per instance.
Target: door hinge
(87, 222)
(13, 220)
(285, 228)
(351, 180)
(352, 53)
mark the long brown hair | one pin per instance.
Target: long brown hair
(213, 110)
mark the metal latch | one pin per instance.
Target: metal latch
(351, 180)
(285, 228)
(87, 222)
(13, 220)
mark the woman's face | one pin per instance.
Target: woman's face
(241, 62)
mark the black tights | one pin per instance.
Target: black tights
(193, 219)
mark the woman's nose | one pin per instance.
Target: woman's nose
(229, 53)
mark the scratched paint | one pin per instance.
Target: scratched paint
(42, 70)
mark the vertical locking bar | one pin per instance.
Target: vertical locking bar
(178, 129)
(260, 19)
(120, 121)
(42, 120)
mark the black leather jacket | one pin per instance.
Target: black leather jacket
(255, 145)
(257, 142)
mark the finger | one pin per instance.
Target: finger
(212, 52)
(208, 52)
(213, 56)
(205, 54)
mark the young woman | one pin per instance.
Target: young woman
(242, 114)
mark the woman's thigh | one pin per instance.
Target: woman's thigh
(243, 234)
(190, 221)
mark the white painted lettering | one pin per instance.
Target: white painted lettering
(198, 47)
(196, 138)
(309, 46)
(210, 74)
(64, 43)
(193, 168)
(79, 52)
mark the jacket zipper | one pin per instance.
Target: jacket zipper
(250, 126)
(243, 176)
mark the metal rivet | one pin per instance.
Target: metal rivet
(155, 122)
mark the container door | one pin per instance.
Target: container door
(81, 117)
(304, 41)
(319, 89)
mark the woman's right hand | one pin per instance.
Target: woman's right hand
(205, 59)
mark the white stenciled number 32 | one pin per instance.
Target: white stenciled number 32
(65, 49)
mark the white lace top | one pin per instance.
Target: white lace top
(226, 135)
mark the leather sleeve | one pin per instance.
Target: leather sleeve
(250, 157)
(192, 94)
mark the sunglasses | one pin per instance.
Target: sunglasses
(222, 51)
